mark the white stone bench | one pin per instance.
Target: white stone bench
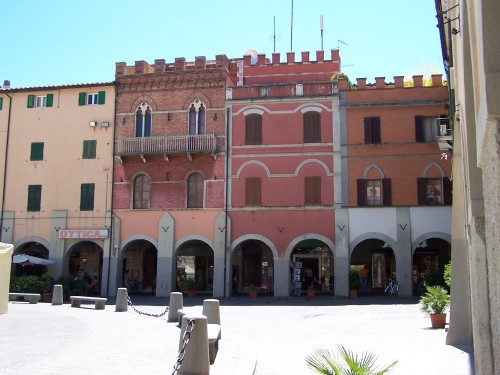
(99, 301)
(30, 297)
(213, 331)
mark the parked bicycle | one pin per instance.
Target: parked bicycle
(393, 288)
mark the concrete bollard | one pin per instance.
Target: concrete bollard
(121, 300)
(176, 303)
(57, 295)
(211, 310)
(196, 358)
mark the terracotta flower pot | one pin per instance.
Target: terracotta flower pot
(353, 293)
(191, 293)
(253, 293)
(438, 320)
(311, 293)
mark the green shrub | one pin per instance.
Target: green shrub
(354, 280)
(447, 274)
(31, 284)
(435, 301)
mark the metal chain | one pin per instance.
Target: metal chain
(185, 340)
(142, 312)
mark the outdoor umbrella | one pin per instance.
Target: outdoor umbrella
(30, 260)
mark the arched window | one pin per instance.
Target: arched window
(143, 120)
(142, 185)
(197, 118)
(195, 191)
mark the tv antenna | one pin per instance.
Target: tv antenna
(340, 41)
(321, 28)
(291, 31)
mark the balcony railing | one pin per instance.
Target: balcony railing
(176, 144)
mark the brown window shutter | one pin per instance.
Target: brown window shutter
(376, 137)
(368, 130)
(447, 191)
(419, 129)
(422, 191)
(258, 130)
(386, 191)
(361, 192)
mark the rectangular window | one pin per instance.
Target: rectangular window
(434, 191)
(1, 103)
(34, 197)
(89, 149)
(375, 192)
(253, 129)
(372, 130)
(253, 187)
(312, 127)
(91, 98)
(426, 129)
(312, 190)
(36, 151)
(87, 197)
(40, 101)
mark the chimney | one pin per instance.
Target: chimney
(361, 83)
(305, 57)
(261, 59)
(290, 57)
(335, 55)
(6, 84)
(320, 56)
(276, 58)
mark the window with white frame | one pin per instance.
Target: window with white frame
(39, 101)
(143, 120)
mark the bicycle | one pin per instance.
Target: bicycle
(393, 288)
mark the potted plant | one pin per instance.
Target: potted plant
(252, 291)
(190, 287)
(435, 302)
(354, 283)
(311, 292)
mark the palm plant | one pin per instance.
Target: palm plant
(346, 362)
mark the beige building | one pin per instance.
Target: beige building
(470, 32)
(57, 177)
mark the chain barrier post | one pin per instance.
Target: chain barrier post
(129, 301)
(176, 303)
(57, 295)
(195, 359)
(121, 300)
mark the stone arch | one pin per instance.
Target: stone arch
(308, 236)
(136, 237)
(144, 98)
(31, 239)
(443, 236)
(192, 237)
(264, 166)
(374, 235)
(434, 164)
(258, 237)
(375, 166)
(196, 95)
(320, 162)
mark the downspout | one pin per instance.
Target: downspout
(111, 238)
(5, 165)
(226, 198)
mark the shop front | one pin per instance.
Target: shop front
(195, 262)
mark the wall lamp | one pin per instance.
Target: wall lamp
(215, 116)
(92, 123)
(169, 116)
(455, 31)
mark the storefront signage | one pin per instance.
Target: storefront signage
(83, 234)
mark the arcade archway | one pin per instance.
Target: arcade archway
(34, 249)
(429, 259)
(85, 262)
(195, 260)
(140, 260)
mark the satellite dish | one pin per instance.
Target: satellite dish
(254, 54)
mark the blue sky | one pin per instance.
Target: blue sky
(57, 42)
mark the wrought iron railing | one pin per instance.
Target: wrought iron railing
(166, 145)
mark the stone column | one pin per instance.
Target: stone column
(342, 253)
(404, 254)
(165, 278)
(281, 277)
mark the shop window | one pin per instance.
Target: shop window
(253, 129)
(312, 190)
(142, 185)
(34, 198)
(253, 190)
(372, 130)
(374, 192)
(195, 191)
(312, 127)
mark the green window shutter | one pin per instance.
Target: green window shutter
(87, 197)
(81, 98)
(31, 101)
(34, 197)
(89, 149)
(1, 103)
(102, 97)
(36, 151)
(50, 100)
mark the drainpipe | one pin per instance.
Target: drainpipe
(5, 165)
(226, 182)
(111, 239)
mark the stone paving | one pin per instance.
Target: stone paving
(261, 336)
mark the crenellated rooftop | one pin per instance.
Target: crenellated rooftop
(380, 83)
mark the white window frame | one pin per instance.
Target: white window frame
(93, 98)
(40, 101)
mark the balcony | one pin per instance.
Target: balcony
(177, 144)
(445, 138)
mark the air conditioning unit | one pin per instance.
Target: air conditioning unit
(104, 124)
(92, 123)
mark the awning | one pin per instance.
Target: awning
(30, 260)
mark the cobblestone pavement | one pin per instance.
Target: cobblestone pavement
(263, 336)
